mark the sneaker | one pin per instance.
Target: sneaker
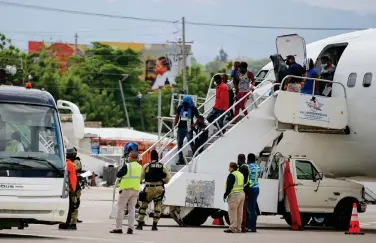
(180, 163)
(252, 230)
(228, 231)
(130, 231)
(79, 221)
(116, 231)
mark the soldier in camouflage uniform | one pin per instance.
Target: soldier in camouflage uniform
(155, 176)
(78, 165)
(70, 224)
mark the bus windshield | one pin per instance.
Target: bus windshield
(31, 132)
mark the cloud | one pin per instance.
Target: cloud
(360, 6)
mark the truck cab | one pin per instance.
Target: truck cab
(317, 196)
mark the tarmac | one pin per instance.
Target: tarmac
(96, 206)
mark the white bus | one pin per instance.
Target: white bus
(33, 179)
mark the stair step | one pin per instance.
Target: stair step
(309, 129)
(176, 168)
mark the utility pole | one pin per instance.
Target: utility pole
(76, 44)
(182, 42)
(122, 95)
(185, 85)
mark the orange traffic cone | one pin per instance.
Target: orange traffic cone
(354, 228)
(218, 221)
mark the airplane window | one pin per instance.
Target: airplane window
(352, 80)
(367, 80)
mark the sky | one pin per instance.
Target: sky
(23, 24)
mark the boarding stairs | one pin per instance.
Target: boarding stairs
(267, 119)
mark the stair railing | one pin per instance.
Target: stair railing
(171, 132)
(193, 165)
(214, 123)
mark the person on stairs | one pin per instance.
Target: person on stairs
(221, 102)
(184, 120)
(235, 197)
(155, 176)
(242, 83)
(199, 127)
(129, 187)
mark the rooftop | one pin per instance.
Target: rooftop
(120, 134)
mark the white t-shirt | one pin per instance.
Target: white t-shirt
(161, 80)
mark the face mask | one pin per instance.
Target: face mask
(216, 83)
(324, 65)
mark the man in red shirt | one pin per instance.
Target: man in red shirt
(70, 224)
(221, 101)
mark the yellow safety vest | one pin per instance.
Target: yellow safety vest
(11, 146)
(132, 180)
(239, 182)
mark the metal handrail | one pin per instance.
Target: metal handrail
(314, 79)
(224, 127)
(173, 130)
(208, 126)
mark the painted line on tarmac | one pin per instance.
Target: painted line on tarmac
(73, 237)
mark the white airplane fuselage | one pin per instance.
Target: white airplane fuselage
(344, 155)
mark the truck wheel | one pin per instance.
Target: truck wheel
(342, 214)
(304, 218)
(196, 217)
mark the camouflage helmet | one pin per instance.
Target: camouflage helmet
(71, 153)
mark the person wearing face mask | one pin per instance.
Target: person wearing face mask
(221, 102)
(294, 69)
(242, 83)
(184, 119)
(327, 72)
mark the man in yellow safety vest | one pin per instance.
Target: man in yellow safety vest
(129, 187)
(235, 197)
(14, 145)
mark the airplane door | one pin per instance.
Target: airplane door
(292, 45)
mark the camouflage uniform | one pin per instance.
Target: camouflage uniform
(155, 176)
(76, 198)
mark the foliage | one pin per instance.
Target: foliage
(92, 82)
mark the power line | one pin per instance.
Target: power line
(21, 5)
(270, 27)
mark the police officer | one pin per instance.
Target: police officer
(155, 176)
(78, 166)
(129, 187)
(72, 183)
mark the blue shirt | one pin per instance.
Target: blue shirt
(308, 83)
(234, 73)
(295, 69)
(255, 172)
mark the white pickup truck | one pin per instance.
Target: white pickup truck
(318, 196)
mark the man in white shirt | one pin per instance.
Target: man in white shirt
(163, 68)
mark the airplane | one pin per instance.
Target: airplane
(354, 55)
